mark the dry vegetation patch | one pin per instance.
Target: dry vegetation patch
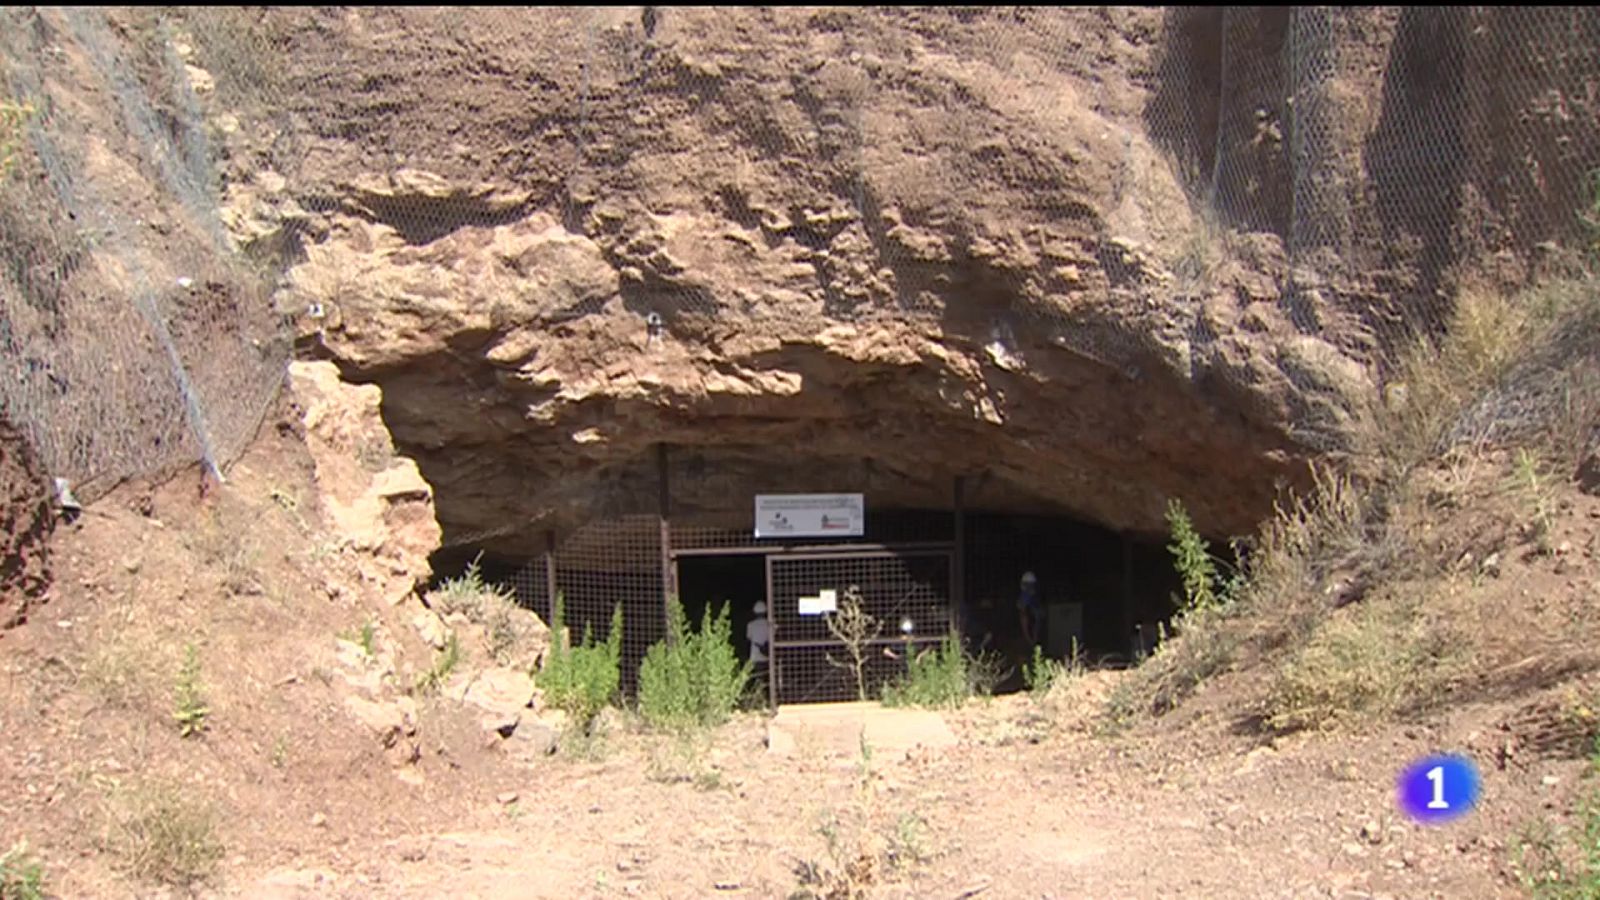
(1360, 600)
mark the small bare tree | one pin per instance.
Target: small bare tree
(854, 627)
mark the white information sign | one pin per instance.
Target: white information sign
(810, 515)
(820, 605)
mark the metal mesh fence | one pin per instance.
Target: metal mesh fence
(810, 663)
(136, 332)
(530, 585)
(1352, 167)
(611, 563)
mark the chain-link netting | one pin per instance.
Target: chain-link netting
(137, 331)
(1130, 184)
(1091, 178)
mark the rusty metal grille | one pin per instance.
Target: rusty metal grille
(611, 562)
(809, 663)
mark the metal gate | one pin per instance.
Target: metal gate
(906, 590)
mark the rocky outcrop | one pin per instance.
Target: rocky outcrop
(377, 503)
(380, 511)
(508, 707)
(513, 360)
(1074, 254)
(26, 520)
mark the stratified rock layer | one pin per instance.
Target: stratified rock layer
(866, 249)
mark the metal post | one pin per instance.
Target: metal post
(958, 559)
(664, 508)
(550, 569)
(1127, 587)
(772, 640)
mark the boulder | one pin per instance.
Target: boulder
(389, 722)
(500, 691)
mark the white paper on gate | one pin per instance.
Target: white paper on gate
(830, 600)
(811, 606)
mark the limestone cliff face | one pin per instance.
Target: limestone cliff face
(877, 258)
(518, 372)
(811, 250)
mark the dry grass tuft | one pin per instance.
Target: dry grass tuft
(163, 835)
(1381, 657)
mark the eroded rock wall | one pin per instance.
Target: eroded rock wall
(852, 249)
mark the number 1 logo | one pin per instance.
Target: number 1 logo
(1438, 789)
(1436, 775)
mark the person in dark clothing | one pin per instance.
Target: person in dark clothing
(1030, 610)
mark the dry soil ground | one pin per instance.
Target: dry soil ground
(1032, 801)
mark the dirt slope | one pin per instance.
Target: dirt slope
(313, 800)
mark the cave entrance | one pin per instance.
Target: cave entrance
(735, 580)
(1103, 593)
(780, 596)
(953, 569)
(922, 574)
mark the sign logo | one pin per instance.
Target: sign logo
(810, 515)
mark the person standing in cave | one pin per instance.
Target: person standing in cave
(758, 633)
(1030, 610)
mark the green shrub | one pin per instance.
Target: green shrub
(14, 118)
(936, 678)
(1204, 639)
(855, 628)
(581, 680)
(1373, 659)
(1308, 535)
(469, 595)
(369, 638)
(443, 665)
(365, 637)
(1203, 644)
(692, 679)
(1041, 673)
(21, 874)
(1203, 586)
(1534, 486)
(490, 605)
